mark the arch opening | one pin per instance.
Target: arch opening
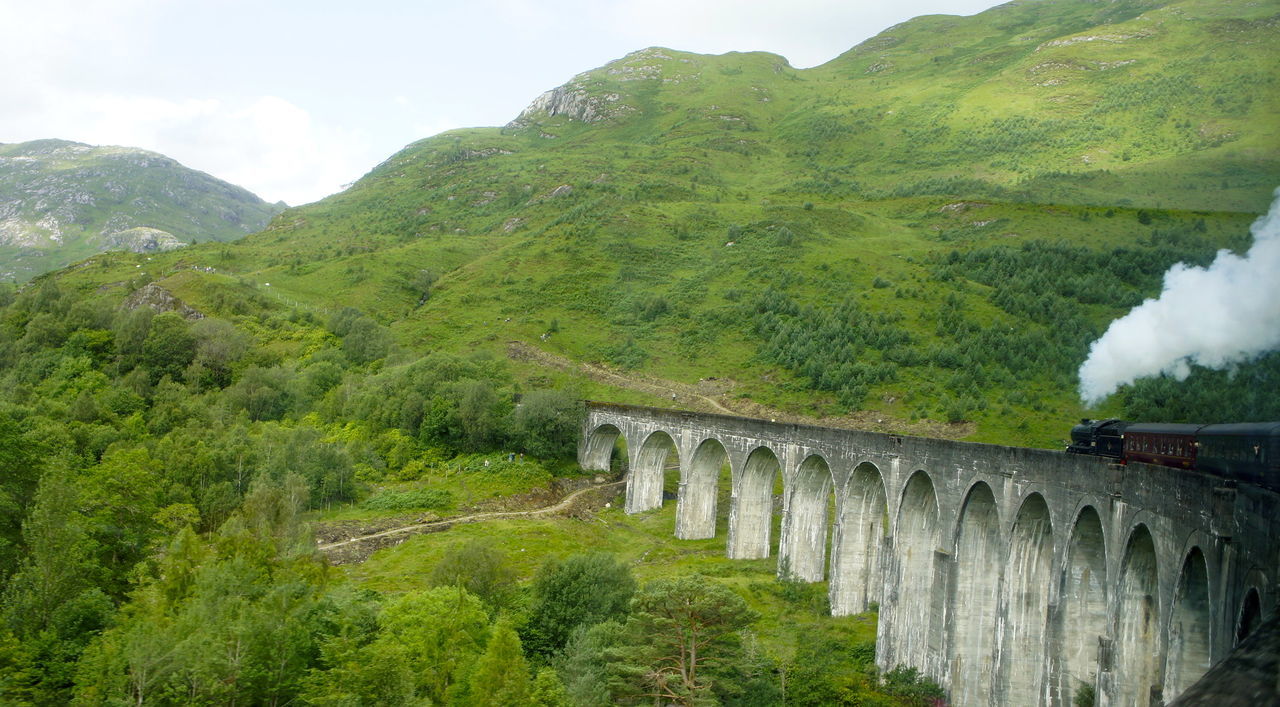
(699, 501)
(978, 557)
(1137, 660)
(804, 552)
(916, 542)
(648, 477)
(605, 449)
(751, 517)
(1083, 615)
(1250, 615)
(857, 580)
(1189, 627)
(1026, 600)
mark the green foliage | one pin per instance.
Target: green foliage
(19, 477)
(501, 675)
(60, 551)
(548, 690)
(547, 423)
(933, 225)
(481, 570)
(916, 689)
(1084, 696)
(237, 619)
(830, 671)
(425, 499)
(1238, 395)
(589, 672)
(441, 632)
(169, 347)
(829, 347)
(579, 591)
(680, 631)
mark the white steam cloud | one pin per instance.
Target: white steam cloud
(1224, 314)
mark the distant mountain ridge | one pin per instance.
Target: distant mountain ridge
(61, 201)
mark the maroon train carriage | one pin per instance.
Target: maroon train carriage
(1163, 444)
(1240, 451)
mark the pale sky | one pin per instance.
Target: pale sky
(294, 99)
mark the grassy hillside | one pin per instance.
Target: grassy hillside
(923, 235)
(932, 226)
(62, 201)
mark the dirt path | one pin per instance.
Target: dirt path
(358, 549)
(712, 395)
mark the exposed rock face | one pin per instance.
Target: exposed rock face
(591, 97)
(569, 100)
(161, 300)
(142, 240)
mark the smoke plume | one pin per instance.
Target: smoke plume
(1224, 314)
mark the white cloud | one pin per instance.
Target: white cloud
(266, 145)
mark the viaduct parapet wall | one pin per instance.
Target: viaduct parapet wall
(1012, 576)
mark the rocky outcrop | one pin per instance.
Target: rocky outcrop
(568, 100)
(160, 300)
(142, 239)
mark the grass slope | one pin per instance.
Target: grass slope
(933, 225)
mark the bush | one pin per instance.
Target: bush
(430, 499)
(546, 422)
(583, 590)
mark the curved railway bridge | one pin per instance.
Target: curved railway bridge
(1012, 576)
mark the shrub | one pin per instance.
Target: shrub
(430, 499)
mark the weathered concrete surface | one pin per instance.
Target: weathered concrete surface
(1012, 576)
(1250, 677)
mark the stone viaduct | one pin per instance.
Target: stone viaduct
(1012, 576)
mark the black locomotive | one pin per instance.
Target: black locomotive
(1248, 451)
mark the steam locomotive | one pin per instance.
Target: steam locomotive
(1248, 451)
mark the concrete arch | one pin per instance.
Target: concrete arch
(857, 579)
(696, 507)
(1138, 661)
(1190, 626)
(1025, 597)
(804, 548)
(751, 514)
(972, 604)
(1082, 624)
(598, 447)
(644, 483)
(916, 543)
(1250, 615)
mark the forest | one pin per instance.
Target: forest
(162, 478)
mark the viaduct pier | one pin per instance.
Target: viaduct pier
(1012, 576)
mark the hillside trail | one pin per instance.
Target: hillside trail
(365, 545)
(711, 395)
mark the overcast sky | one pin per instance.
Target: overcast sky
(293, 99)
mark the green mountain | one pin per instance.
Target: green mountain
(62, 201)
(923, 234)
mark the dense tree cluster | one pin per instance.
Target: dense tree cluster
(153, 469)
